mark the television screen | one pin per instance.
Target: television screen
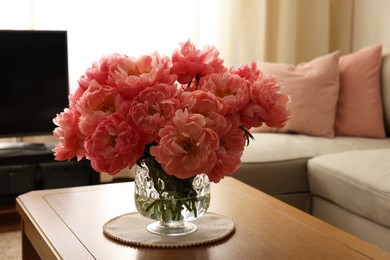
(34, 82)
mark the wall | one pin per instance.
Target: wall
(371, 23)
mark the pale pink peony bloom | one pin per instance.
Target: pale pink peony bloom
(114, 145)
(232, 89)
(189, 62)
(153, 108)
(186, 146)
(267, 105)
(96, 103)
(232, 143)
(71, 140)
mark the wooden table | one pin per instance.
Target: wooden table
(67, 223)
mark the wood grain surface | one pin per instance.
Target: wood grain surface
(68, 223)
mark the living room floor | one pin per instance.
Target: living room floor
(9, 219)
(10, 236)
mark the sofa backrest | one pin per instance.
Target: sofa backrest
(385, 77)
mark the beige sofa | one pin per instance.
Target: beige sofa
(342, 180)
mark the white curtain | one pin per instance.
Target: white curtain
(300, 30)
(289, 31)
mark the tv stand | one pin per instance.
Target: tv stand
(31, 166)
(22, 146)
(18, 152)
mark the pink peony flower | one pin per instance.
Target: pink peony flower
(232, 89)
(188, 110)
(251, 72)
(73, 98)
(267, 105)
(186, 146)
(252, 116)
(153, 108)
(114, 145)
(202, 102)
(131, 76)
(232, 143)
(189, 62)
(96, 104)
(128, 74)
(71, 141)
(99, 71)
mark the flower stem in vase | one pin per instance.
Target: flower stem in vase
(170, 200)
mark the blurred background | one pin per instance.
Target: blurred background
(288, 31)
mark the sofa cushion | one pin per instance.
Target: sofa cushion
(358, 181)
(276, 163)
(277, 147)
(313, 88)
(359, 108)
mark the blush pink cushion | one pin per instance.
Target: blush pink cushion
(359, 109)
(313, 88)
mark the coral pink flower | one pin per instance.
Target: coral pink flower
(131, 76)
(267, 105)
(96, 104)
(189, 62)
(114, 145)
(124, 105)
(252, 116)
(232, 143)
(229, 87)
(71, 141)
(153, 108)
(99, 70)
(202, 102)
(73, 98)
(128, 74)
(186, 146)
(250, 72)
(205, 103)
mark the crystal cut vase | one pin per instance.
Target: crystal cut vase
(171, 201)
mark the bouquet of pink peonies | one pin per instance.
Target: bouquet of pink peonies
(188, 112)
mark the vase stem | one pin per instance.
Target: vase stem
(172, 228)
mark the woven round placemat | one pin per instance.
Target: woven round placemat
(131, 229)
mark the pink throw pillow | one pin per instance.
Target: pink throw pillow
(313, 88)
(359, 109)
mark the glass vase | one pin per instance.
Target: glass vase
(171, 201)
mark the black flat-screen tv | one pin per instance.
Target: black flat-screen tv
(34, 81)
